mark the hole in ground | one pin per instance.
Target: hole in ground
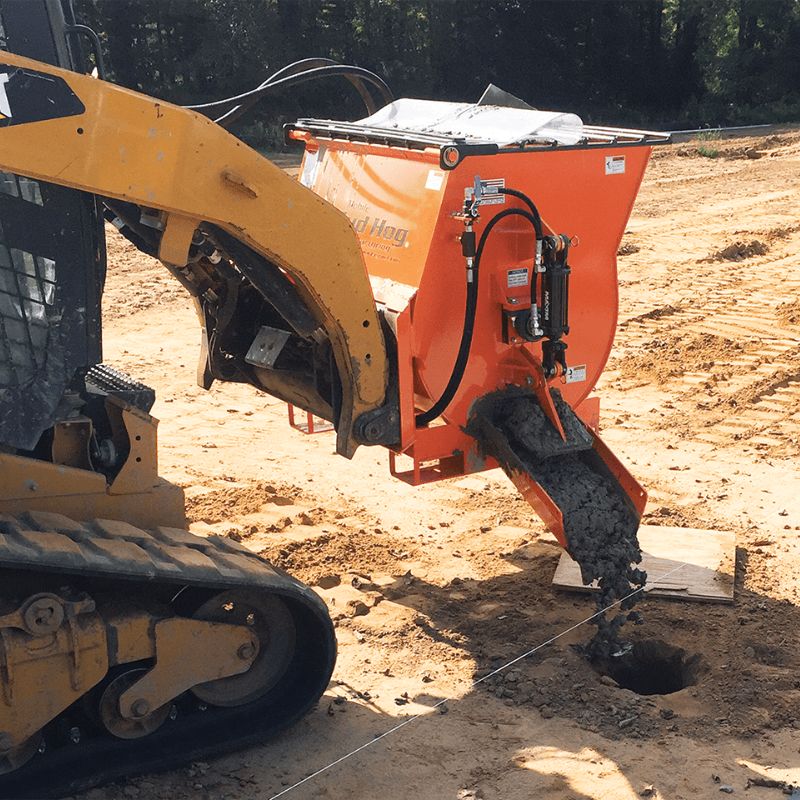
(652, 667)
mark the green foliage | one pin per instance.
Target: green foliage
(675, 63)
(710, 135)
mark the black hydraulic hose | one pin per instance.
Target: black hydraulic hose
(97, 47)
(537, 219)
(469, 320)
(295, 68)
(129, 214)
(226, 105)
(539, 235)
(290, 69)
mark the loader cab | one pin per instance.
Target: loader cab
(52, 260)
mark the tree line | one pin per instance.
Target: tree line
(669, 63)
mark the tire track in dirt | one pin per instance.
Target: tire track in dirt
(726, 354)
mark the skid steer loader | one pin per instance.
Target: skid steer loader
(440, 281)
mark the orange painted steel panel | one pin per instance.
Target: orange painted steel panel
(575, 197)
(542, 504)
(402, 207)
(589, 412)
(630, 485)
(386, 199)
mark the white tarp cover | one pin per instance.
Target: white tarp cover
(489, 123)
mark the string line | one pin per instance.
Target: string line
(427, 713)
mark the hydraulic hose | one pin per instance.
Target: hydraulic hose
(231, 105)
(537, 219)
(462, 356)
(539, 235)
(295, 68)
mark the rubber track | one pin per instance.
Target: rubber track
(45, 541)
(129, 558)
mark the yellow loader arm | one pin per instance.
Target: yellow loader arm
(218, 208)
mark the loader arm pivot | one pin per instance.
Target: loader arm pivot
(131, 148)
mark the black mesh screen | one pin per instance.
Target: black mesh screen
(52, 262)
(27, 303)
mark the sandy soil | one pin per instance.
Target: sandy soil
(701, 399)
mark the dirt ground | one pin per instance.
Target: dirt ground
(440, 583)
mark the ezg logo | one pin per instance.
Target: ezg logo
(5, 108)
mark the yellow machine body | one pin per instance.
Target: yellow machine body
(136, 149)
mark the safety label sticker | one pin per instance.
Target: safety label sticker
(615, 165)
(518, 277)
(435, 180)
(30, 96)
(576, 374)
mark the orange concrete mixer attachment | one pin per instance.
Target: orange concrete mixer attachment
(490, 233)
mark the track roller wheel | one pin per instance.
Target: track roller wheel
(271, 621)
(115, 723)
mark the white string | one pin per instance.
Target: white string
(505, 666)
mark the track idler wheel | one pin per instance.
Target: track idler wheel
(271, 621)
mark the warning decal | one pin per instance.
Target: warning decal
(27, 96)
(576, 374)
(518, 277)
(435, 180)
(615, 165)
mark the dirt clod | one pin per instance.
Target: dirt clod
(739, 251)
(355, 608)
(328, 581)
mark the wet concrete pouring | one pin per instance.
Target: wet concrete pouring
(600, 524)
(601, 528)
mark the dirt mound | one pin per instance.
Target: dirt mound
(339, 553)
(685, 515)
(672, 355)
(656, 313)
(628, 249)
(788, 313)
(763, 388)
(752, 243)
(781, 232)
(712, 144)
(739, 251)
(223, 505)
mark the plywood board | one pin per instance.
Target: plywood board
(699, 565)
